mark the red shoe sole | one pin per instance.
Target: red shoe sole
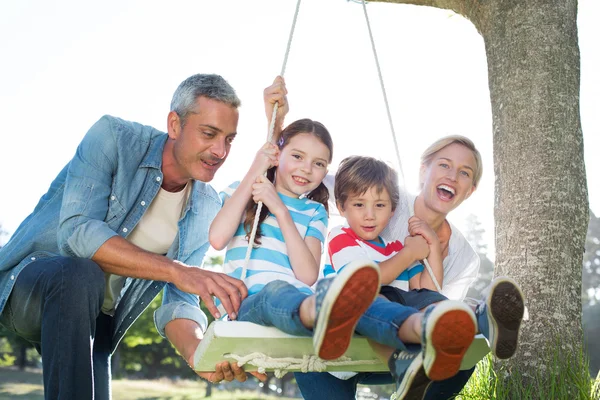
(452, 335)
(354, 299)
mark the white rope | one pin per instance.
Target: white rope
(269, 139)
(396, 147)
(308, 363)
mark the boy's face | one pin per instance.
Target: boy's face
(367, 213)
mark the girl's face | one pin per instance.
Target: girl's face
(302, 165)
(448, 179)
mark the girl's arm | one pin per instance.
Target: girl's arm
(304, 254)
(228, 218)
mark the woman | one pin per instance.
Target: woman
(450, 172)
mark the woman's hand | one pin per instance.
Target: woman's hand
(417, 226)
(263, 190)
(417, 246)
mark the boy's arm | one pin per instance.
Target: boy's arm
(415, 248)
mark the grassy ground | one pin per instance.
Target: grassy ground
(17, 385)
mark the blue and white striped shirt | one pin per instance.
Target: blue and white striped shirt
(270, 261)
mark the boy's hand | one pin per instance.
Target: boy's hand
(417, 226)
(263, 190)
(266, 157)
(418, 247)
(277, 92)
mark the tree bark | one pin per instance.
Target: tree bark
(541, 202)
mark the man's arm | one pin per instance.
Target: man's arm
(83, 232)
(118, 256)
(186, 335)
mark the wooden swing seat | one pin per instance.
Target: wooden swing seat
(223, 339)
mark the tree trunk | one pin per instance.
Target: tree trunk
(541, 193)
(22, 356)
(541, 198)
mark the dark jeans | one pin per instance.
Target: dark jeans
(321, 385)
(55, 305)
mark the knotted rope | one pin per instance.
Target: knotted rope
(269, 139)
(389, 115)
(308, 363)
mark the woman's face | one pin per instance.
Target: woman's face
(447, 180)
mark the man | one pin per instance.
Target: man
(127, 217)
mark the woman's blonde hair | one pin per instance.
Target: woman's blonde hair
(444, 142)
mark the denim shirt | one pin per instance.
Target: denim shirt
(103, 192)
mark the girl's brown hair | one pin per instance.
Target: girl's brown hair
(320, 194)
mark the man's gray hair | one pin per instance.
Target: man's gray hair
(211, 86)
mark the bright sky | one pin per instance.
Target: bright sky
(66, 63)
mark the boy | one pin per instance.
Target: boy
(367, 194)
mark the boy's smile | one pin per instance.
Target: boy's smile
(368, 213)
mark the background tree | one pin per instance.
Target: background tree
(474, 234)
(591, 293)
(541, 197)
(591, 262)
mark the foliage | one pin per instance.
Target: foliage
(591, 262)
(474, 234)
(144, 353)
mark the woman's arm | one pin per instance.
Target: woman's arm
(418, 227)
(436, 263)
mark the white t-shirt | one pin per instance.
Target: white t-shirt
(155, 233)
(461, 265)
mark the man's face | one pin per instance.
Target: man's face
(203, 143)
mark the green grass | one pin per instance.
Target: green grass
(27, 385)
(565, 380)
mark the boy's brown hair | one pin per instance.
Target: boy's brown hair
(357, 174)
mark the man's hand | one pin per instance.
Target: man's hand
(206, 284)
(276, 93)
(228, 372)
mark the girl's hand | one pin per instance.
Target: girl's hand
(263, 190)
(266, 157)
(417, 246)
(417, 226)
(276, 93)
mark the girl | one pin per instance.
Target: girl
(292, 226)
